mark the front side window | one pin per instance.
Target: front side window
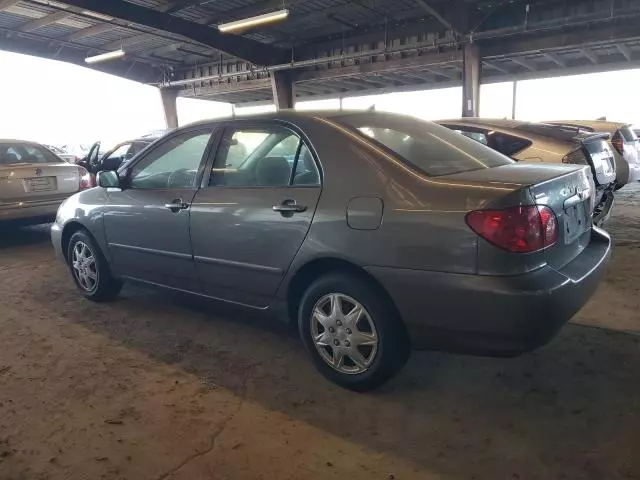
(432, 149)
(174, 164)
(258, 157)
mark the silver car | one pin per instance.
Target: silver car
(373, 233)
(34, 182)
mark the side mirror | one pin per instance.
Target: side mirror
(108, 179)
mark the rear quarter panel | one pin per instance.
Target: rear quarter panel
(423, 225)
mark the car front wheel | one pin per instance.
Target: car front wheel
(353, 334)
(90, 270)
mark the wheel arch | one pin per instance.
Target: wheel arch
(67, 232)
(314, 269)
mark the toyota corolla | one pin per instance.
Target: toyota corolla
(374, 233)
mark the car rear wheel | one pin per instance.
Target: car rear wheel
(354, 336)
(90, 270)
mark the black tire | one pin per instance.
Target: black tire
(106, 287)
(393, 346)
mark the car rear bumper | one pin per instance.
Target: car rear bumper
(486, 315)
(29, 212)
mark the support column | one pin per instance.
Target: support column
(169, 104)
(284, 93)
(471, 73)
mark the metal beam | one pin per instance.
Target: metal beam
(44, 21)
(555, 59)
(496, 67)
(421, 61)
(90, 31)
(235, 45)
(434, 13)
(523, 63)
(178, 5)
(128, 41)
(624, 50)
(593, 58)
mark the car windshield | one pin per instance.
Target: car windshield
(18, 153)
(430, 148)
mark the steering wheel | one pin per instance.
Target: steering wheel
(182, 178)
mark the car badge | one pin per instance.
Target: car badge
(38, 172)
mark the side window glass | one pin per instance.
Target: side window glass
(255, 157)
(306, 172)
(174, 164)
(120, 152)
(508, 145)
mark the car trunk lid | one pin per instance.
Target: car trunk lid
(569, 191)
(37, 181)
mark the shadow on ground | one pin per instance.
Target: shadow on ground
(571, 410)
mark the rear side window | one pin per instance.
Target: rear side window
(430, 148)
(508, 145)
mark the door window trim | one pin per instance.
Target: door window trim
(252, 123)
(125, 172)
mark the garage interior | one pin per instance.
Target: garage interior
(161, 387)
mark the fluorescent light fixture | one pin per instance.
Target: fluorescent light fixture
(253, 21)
(103, 57)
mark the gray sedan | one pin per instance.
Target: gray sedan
(373, 233)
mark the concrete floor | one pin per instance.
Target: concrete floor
(155, 386)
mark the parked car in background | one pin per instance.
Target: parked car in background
(34, 182)
(624, 140)
(113, 159)
(67, 157)
(368, 239)
(538, 142)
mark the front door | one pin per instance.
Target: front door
(249, 222)
(147, 222)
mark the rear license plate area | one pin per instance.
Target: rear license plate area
(41, 184)
(576, 222)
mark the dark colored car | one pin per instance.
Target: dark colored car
(113, 159)
(624, 141)
(373, 232)
(539, 142)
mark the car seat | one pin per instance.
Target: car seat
(273, 171)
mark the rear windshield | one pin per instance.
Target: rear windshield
(430, 148)
(17, 153)
(628, 134)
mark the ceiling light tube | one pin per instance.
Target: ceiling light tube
(103, 57)
(253, 21)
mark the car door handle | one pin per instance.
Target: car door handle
(289, 206)
(177, 205)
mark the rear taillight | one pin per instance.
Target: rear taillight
(86, 180)
(519, 229)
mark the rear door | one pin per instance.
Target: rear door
(29, 172)
(254, 211)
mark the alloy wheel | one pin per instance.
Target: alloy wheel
(84, 266)
(344, 333)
